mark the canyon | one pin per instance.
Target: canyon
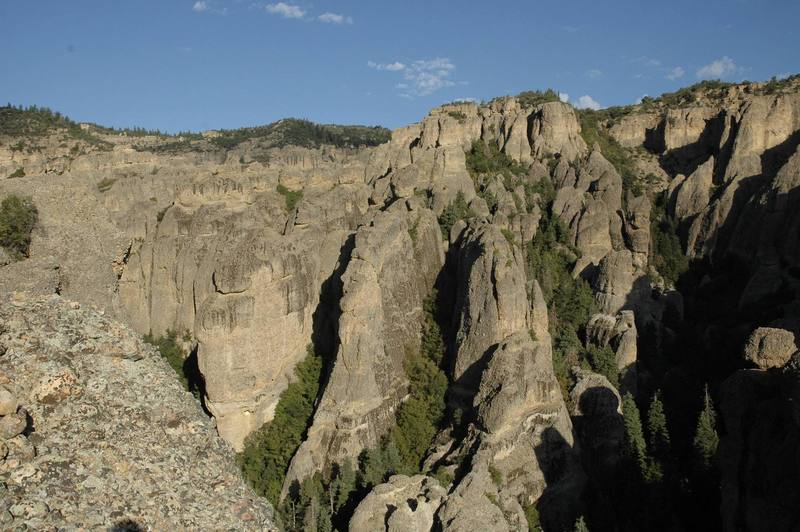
(540, 239)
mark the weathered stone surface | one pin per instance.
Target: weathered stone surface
(13, 424)
(491, 299)
(768, 347)
(618, 283)
(8, 402)
(693, 194)
(401, 504)
(386, 279)
(131, 446)
(631, 131)
(555, 129)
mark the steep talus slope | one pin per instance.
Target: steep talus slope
(96, 431)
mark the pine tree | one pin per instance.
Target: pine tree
(344, 484)
(635, 448)
(324, 523)
(657, 428)
(706, 438)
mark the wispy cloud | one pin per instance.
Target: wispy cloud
(675, 73)
(392, 67)
(721, 68)
(563, 96)
(594, 73)
(421, 77)
(208, 6)
(335, 18)
(587, 102)
(429, 75)
(285, 10)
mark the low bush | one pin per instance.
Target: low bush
(456, 210)
(18, 216)
(105, 184)
(292, 197)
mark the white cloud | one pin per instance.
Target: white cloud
(675, 73)
(285, 10)
(430, 75)
(391, 67)
(563, 96)
(335, 18)
(422, 77)
(209, 6)
(587, 102)
(594, 73)
(718, 69)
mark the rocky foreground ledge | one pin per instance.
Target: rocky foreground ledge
(96, 432)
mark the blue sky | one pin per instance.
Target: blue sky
(188, 64)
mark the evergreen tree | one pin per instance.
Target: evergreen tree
(344, 484)
(706, 438)
(324, 523)
(635, 448)
(657, 429)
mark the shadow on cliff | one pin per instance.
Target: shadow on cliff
(325, 319)
(126, 525)
(562, 500)
(686, 159)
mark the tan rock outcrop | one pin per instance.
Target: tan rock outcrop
(381, 312)
(399, 505)
(768, 347)
(103, 427)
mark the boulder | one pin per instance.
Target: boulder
(401, 504)
(768, 347)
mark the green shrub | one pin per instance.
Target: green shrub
(458, 115)
(292, 197)
(419, 416)
(268, 451)
(593, 132)
(178, 359)
(457, 210)
(509, 236)
(533, 98)
(105, 184)
(487, 159)
(667, 255)
(532, 517)
(550, 260)
(19, 172)
(18, 216)
(604, 361)
(497, 476)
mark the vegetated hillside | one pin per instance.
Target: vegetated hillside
(35, 122)
(513, 315)
(296, 132)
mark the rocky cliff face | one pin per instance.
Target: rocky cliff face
(254, 253)
(96, 432)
